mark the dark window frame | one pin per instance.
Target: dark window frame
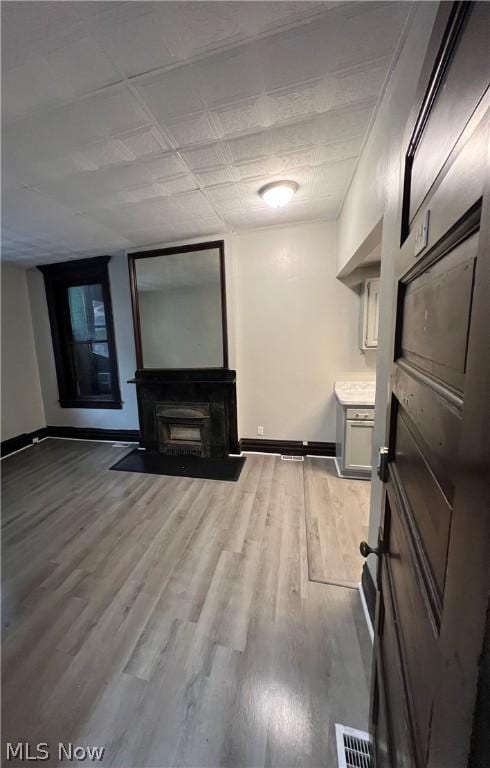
(57, 279)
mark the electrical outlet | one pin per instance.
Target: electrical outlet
(35, 439)
(260, 430)
(305, 442)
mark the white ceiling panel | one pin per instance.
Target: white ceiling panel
(209, 156)
(215, 176)
(132, 37)
(171, 94)
(195, 129)
(131, 123)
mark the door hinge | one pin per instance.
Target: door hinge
(382, 467)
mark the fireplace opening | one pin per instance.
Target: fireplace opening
(183, 429)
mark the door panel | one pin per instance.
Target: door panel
(415, 620)
(436, 521)
(463, 85)
(435, 315)
(393, 726)
(434, 417)
(429, 507)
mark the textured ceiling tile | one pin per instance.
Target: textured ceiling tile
(29, 212)
(206, 157)
(278, 164)
(360, 85)
(162, 232)
(194, 27)
(169, 231)
(332, 43)
(102, 187)
(216, 176)
(301, 101)
(341, 124)
(245, 116)
(289, 138)
(82, 65)
(250, 170)
(144, 142)
(177, 185)
(121, 36)
(340, 150)
(227, 198)
(171, 94)
(196, 202)
(251, 147)
(95, 172)
(30, 85)
(140, 194)
(231, 76)
(148, 213)
(105, 153)
(95, 117)
(34, 23)
(164, 167)
(197, 129)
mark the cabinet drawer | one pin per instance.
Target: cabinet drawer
(359, 413)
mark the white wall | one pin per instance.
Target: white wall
(181, 327)
(376, 191)
(293, 329)
(127, 417)
(297, 331)
(365, 202)
(22, 405)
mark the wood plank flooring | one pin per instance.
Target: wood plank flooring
(171, 620)
(337, 520)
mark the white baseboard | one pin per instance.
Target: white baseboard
(41, 440)
(366, 613)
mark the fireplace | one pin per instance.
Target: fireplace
(188, 411)
(183, 428)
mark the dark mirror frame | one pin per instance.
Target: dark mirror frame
(133, 257)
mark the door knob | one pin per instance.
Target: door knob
(366, 550)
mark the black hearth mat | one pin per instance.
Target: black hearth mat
(227, 468)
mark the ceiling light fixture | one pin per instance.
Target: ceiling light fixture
(278, 193)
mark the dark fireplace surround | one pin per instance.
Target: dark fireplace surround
(189, 411)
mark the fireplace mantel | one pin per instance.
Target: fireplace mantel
(215, 387)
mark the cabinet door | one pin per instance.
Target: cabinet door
(358, 441)
(371, 314)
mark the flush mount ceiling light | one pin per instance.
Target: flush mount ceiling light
(278, 193)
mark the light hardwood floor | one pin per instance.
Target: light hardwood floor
(171, 620)
(337, 519)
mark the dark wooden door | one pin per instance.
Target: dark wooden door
(434, 537)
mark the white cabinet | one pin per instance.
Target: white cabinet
(358, 441)
(369, 314)
(353, 453)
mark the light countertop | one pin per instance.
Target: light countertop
(356, 393)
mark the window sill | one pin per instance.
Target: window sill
(80, 403)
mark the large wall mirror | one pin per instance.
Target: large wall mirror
(179, 306)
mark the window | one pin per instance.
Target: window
(80, 313)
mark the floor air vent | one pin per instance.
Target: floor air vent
(353, 748)
(285, 457)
